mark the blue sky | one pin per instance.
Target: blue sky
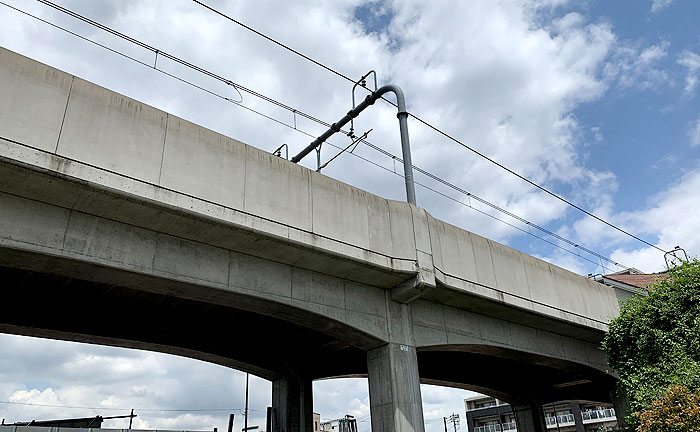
(595, 100)
(638, 129)
(645, 129)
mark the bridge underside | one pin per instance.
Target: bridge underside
(513, 378)
(37, 303)
(43, 303)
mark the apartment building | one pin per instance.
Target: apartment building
(487, 414)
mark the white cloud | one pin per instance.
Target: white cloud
(597, 133)
(692, 62)
(666, 219)
(694, 133)
(439, 402)
(658, 5)
(568, 261)
(335, 398)
(31, 376)
(509, 85)
(638, 68)
(47, 396)
(667, 160)
(672, 217)
(494, 75)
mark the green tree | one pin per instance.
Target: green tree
(677, 411)
(655, 342)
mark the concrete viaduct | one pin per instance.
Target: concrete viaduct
(123, 225)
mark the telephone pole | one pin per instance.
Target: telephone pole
(246, 401)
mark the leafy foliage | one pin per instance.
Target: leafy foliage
(677, 411)
(655, 342)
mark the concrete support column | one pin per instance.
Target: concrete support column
(292, 404)
(394, 389)
(529, 417)
(576, 411)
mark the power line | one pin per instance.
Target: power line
(124, 409)
(500, 209)
(171, 57)
(288, 48)
(542, 188)
(436, 129)
(295, 111)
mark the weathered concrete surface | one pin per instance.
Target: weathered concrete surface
(90, 133)
(115, 201)
(292, 404)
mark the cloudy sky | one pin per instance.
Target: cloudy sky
(595, 100)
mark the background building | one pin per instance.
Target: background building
(630, 282)
(487, 414)
(345, 424)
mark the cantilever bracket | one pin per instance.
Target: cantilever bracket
(403, 127)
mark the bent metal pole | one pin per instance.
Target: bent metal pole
(403, 127)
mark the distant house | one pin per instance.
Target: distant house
(630, 282)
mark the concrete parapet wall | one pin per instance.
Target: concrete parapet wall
(469, 262)
(52, 121)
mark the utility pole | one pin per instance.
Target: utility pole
(247, 375)
(444, 419)
(454, 418)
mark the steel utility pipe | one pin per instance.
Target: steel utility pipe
(403, 127)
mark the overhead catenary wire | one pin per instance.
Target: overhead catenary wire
(171, 57)
(436, 129)
(301, 113)
(251, 29)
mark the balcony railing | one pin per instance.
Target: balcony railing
(488, 428)
(561, 420)
(509, 426)
(590, 416)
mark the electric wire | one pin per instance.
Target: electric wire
(317, 63)
(436, 129)
(301, 113)
(127, 409)
(176, 59)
